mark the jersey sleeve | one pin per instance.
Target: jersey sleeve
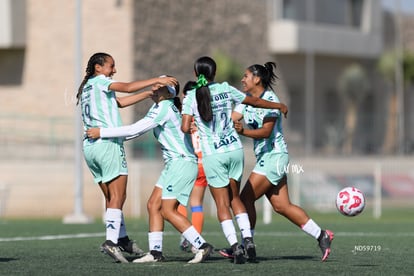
(239, 108)
(129, 131)
(273, 113)
(237, 96)
(187, 107)
(105, 82)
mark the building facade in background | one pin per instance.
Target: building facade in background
(315, 43)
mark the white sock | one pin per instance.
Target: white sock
(155, 241)
(122, 230)
(312, 229)
(244, 225)
(229, 231)
(193, 237)
(113, 223)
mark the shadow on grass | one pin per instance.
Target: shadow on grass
(5, 260)
(217, 257)
(294, 258)
(365, 265)
(266, 259)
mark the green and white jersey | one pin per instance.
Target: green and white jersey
(218, 135)
(99, 106)
(165, 120)
(254, 117)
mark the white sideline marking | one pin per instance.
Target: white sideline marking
(53, 237)
(171, 233)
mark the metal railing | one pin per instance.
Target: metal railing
(35, 137)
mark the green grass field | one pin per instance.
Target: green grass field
(362, 246)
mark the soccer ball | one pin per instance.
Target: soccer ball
(350, 201)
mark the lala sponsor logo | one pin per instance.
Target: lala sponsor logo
(225, 142)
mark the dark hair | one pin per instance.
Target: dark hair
(188, 86)
(265, 73)
(97, 58)
(205, 66)
(177, 101)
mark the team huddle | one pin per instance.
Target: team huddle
(201, 146)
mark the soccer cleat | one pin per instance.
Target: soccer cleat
(202, 254)
(194, 250)
(325, 240)
(108, 247)
(226, 253)
(130, 246)
(184, 244)
(250, 249)
(238, 253)
(151, 257)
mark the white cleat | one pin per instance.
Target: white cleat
(202, 254)
(149, 258)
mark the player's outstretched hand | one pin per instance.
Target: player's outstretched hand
(164, 80)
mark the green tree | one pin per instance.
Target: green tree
(386, 66)
(353, 86)
(227, 69)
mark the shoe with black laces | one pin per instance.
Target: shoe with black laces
(112, 249)
(151, 257)
(238, 253)
(130, 246)
(202, 254)
(250, 249)
(325, 240)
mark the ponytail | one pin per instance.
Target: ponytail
(205, 70)
(177, 103)
(203, 98)
(204, 103)
(265, 73)
(80, 89)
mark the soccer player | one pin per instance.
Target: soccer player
(200, 185)
(210, 105)
(176, 181)
(269, 176)
(106, 157)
